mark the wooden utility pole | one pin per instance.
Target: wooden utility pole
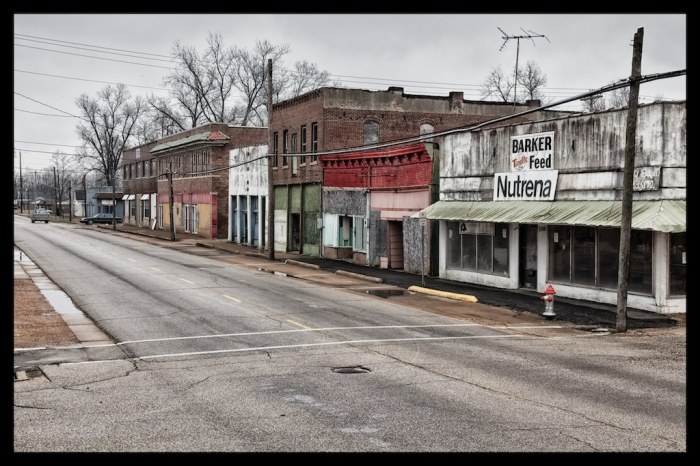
(114, 197)
(270, 159)
(172, 204)
(627, 182)
(70, 202)
(55, 192)
(21, 198)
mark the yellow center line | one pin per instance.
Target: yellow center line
(186, 280)
(231, 298)
(156, 269)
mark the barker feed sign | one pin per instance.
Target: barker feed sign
(532, 152)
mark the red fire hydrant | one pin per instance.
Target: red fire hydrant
(548, 299)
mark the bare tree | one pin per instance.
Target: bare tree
(189, 83)
(251, 76)
(159, 120)
(107, 126)
(593, 103)
(497, 86)
(617, 98)
(532, 80)
(305, 77)
(64, 166)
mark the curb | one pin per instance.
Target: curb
(444, 294)
(302, 264)
(360, 276)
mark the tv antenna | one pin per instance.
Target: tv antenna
(528, 35)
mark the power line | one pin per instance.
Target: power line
(90, 45)
(89, 80)
(93, 50)
(46, 143)
(97, 58)
(44, 114)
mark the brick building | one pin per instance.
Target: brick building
(198, 160)
(334, 118)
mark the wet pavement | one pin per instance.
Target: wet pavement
(577, 312)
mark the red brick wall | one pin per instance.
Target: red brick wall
(291, 116)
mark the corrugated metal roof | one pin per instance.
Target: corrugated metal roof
(664, 215)
(216, 136)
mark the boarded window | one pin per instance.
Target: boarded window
(371, 129)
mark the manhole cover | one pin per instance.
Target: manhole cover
(351, 370)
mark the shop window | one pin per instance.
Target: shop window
(481, 247)
(584, 256)
(677, 261)
(592, 258)
(608, 256)
(640, 261)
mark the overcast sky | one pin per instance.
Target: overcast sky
(58, 57)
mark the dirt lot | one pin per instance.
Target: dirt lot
(36, 323)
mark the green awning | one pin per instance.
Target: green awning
(666, 215)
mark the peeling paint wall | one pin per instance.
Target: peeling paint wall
(588, 153)
(345, 201)
(248, 175)
(416, 259)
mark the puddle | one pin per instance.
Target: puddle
(386, 293)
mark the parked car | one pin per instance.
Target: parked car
(40, 215)
(100, 218)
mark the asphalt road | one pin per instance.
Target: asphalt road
(211, 355)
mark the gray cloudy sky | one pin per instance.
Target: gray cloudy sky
(56, 56)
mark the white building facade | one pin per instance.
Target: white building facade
(248, 203)
(528, 205)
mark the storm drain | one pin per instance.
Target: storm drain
(351, 370)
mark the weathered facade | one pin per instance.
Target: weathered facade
(198, 160)
(368, 200)
(248, 200)
(140, 176)
(539, 203)
(334, 118)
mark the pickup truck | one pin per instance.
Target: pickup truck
(40, 215)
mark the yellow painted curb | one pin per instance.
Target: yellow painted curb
(444, 294)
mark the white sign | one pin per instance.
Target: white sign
(646, 178)
(532, 152)
(535, 185)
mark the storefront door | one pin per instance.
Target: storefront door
(528, 256)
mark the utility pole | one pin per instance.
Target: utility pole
(270, 159)
(172, 203)
(55, 192)
(627, 184)
(70, 201)
(21, 199)
(114, 195)
(506, 37)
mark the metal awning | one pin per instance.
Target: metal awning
(665, 215)
(131, 197)
(145, 197)
(125, 197)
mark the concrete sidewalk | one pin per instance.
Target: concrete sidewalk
(582, 313)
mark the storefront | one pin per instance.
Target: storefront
(529, 205)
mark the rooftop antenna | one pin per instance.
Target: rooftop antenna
(528, 35)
